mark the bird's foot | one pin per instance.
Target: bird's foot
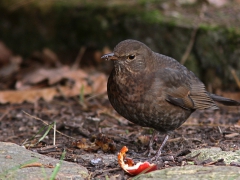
(159, 152)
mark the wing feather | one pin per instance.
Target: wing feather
(186, 90)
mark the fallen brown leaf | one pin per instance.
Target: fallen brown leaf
(32, 78)
(105, 143)
(36, 164)
(27, 91)
(28, 95)
(50, 56)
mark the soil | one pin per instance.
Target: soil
(88, 125)
(95, 127)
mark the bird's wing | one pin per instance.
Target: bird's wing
(184, 89)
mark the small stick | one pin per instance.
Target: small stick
(233, 72)
(48, 124)
(193, 36)
(79, 58)
(54, 133)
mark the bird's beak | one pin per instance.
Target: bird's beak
(109, 56)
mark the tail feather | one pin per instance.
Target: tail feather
(224, 101)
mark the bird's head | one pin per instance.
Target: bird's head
(130, 55)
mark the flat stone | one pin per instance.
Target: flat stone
(202, 172)
(194, 172)
(13, 156)
(215, 153)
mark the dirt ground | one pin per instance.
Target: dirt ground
(37, 91)
(95, 127)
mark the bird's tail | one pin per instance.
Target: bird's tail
(224, 101)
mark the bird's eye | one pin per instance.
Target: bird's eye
(131, 57)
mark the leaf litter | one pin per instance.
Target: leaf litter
(34, 94)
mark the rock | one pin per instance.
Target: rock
(13, 156)
(194, 172)
(215, 153)
(202, 172)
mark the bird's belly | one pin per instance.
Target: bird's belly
(155, 113)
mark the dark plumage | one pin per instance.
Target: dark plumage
(153, 90)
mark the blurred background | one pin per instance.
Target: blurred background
(51, 71)
(204, 35)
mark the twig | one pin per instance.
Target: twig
(54, 133)
(213, 162)
(233, 72)
(220, 130)
(36, 164)
(190, 46)
(193, 36)
(95, 96)
(225, 63)
(4, 114)
(79, 58)
(191, 158)
(47, 125)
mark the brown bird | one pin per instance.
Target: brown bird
(154, 90)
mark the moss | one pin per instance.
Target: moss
(68, 25)
(152, 16)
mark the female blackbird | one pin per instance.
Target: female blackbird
(154, 90)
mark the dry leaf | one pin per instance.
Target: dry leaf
(50, 56)
(101, 141)
(105, 143)
(11, 68)
(52, 75)
(79, 79)
(144, 140)
(81, 144)
(28, 95)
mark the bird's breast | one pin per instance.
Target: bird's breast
(133, 97)
(125, 89)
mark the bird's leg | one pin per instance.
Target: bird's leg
(150, 150)
(160, 149)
